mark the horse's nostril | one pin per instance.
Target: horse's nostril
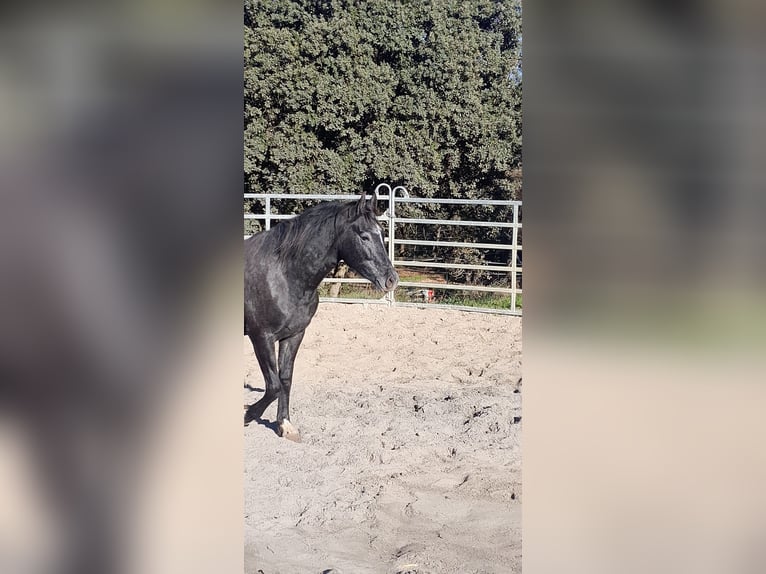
(390, 282)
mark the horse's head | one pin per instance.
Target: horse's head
(361, 245)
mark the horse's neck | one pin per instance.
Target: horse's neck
(317, 261)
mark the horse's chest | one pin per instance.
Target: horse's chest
(298, 315)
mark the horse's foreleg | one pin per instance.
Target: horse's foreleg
(288, 349)
(264, 351)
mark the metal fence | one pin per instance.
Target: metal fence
(399, 196)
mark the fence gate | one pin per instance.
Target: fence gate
(420, 292)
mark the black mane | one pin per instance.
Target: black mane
(291, 235)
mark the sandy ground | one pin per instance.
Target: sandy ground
(411, 453)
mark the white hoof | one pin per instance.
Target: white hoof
(288, 431)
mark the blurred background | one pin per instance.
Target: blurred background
(120, 291)
(644, 302)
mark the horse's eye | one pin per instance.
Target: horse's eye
(365, 236)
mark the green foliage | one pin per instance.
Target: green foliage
(483, 300)
(342, 95)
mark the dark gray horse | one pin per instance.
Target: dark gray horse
(283, 269)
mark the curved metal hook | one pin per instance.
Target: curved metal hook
(381, 185)
(405, 193)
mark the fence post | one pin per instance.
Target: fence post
(392, 232)
(267, 213)
(391, 236)
(514, 254)
(391, 209)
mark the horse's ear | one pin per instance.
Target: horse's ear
(363, 206)
(360, 205)
(372, 205)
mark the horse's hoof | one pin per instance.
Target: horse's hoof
(288, 431)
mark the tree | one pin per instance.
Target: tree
(341, 95)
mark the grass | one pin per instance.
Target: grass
(351, 292)
(405, 294)
(483, 300)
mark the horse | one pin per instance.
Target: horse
(283, 269)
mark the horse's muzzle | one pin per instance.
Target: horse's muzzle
(392, 281)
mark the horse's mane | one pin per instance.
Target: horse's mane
(291, 235)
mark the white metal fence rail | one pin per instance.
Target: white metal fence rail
(398, 196)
